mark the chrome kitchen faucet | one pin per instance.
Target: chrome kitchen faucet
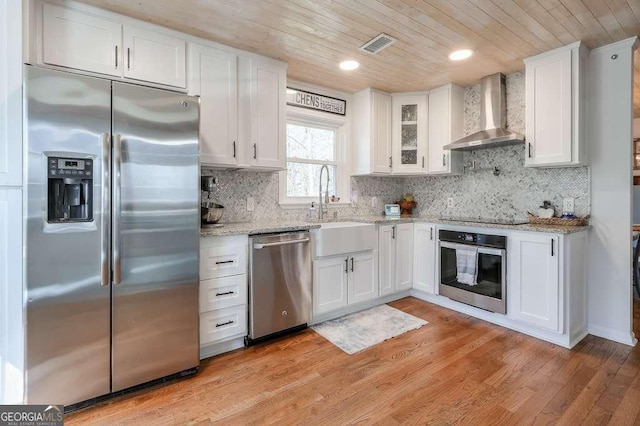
(324, 205)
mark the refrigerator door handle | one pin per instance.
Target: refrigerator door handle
(106, 208)
(116, 204)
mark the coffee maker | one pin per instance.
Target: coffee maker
(70, 190)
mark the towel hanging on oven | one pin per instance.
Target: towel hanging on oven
(467, 265)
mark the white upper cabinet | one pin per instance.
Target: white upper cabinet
(409, 137)
(445, 125)
(263, 85)
(554, 102)
(213, 76)
(242, 108)
(82, 41)
(371, 133)
(154, 57)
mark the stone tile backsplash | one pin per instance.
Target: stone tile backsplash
(235, 186)
(476, 193)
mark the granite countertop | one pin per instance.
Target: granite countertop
(250, 228)
(528, 227)
(238, 228)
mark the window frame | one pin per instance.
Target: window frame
(343, 177)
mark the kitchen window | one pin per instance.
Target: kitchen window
(313, 142)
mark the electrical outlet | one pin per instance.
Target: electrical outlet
(567, 205)
(251, 204)
(374, 201)
(450, 203)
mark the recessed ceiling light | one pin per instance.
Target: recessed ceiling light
(349, 65)
(461, 54)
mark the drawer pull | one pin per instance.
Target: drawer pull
(225, 323)
(225, 293)
(224, 261)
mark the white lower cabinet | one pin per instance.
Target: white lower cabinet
(361, 282)
(395, 247)
(223, 293)
(535, 290)
(329, 284)
(222, 324)
(424, 257)
(339, 281)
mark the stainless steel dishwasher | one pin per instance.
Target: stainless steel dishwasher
(279, 284)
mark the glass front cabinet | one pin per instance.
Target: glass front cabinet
(409, 138)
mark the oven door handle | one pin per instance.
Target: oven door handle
(495, 252)
(481, 250)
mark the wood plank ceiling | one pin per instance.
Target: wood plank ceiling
(313, 36)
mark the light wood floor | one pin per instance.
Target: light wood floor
(456, 369)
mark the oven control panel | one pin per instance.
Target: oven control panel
(470, 238)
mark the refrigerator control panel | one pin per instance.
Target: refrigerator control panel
(70, 168)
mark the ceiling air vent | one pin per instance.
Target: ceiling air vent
(378, 43)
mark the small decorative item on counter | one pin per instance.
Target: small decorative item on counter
(407, 204)
(334, 199)
(546, 210)
(561, 221)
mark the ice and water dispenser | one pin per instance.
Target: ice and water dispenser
(70, 190)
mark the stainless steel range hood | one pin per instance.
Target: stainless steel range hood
(493, 118)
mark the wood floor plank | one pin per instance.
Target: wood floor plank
(455, 370)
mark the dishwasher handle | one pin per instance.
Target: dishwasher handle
(279, 243)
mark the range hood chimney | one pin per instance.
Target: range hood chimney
(493, 118)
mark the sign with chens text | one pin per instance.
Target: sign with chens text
(309, 100)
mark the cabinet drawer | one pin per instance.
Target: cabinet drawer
(225, 261)
(223, 292)
(223, 323)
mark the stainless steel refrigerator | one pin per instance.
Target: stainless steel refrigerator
(112, 235)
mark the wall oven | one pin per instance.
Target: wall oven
(489, 290)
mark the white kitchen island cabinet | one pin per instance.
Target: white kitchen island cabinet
(371, 133)
(395, 248)
(339, 281)
(555, 118)
(424, 257)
